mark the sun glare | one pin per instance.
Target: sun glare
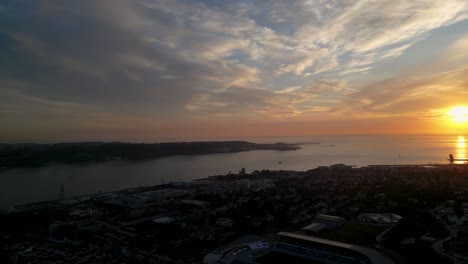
(461, 149)
(458, 114)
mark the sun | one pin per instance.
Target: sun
(458, 114)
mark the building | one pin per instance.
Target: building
(314, 228)
(329, 220)
(242, 171)
(295, 248)
(195, 203)
(379, 218)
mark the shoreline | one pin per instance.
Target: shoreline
(39, 155)
(213, 178)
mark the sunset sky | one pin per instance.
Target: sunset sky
(156, 69)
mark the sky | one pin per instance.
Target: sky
(165, 69)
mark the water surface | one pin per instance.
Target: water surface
(24, 185)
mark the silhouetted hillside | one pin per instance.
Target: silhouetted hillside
(25, 155)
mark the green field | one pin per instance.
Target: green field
(354, 233)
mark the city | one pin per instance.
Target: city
(234, 132)
(406, 213)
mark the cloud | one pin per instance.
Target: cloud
(407, 96)
(247, 102)
(241, 102)
(178, 60)
(107, 61)
(371, 27)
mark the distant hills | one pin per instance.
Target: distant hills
(29, 155)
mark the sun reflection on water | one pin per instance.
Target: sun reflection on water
(461, 149)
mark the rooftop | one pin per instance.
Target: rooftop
(374, 255)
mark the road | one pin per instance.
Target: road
(437, 247)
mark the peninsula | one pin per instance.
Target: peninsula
(27, 155)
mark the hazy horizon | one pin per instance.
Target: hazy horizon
(254, 139)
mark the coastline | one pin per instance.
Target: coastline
(270, 174)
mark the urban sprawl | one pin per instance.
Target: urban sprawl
(331, 214)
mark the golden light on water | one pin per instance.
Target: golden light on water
(461, 142)
(461, 149)
(458, 114)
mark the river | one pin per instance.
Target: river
(25, 185)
